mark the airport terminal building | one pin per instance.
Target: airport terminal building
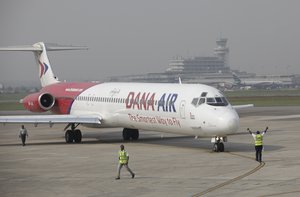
(211, 70)
(205, 65)
(207, 69)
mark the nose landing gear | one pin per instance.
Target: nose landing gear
(218, 143)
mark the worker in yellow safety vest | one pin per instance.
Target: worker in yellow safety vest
(258, 139)
(123, 161)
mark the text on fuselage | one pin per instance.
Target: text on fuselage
(146, 101)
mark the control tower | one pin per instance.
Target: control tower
(222, 51)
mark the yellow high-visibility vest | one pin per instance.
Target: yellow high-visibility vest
(123, 157)
(258, 140)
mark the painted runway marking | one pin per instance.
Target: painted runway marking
(234, 179)
(282, 193)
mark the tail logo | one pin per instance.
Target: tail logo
(43, 69)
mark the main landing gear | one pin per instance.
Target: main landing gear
(73, 134)
(130, 134)
(218, 143)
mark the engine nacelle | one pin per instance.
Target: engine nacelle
(39, 102)
(46, 101)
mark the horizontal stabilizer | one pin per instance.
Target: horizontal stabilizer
(21, 48)
(37, 47)
(56, 47)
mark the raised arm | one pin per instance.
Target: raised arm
(249, 131)
(266, 129)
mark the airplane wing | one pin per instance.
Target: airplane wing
(52, 119)
(242, 106)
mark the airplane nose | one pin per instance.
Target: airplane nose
(229, 122)
(233, 125)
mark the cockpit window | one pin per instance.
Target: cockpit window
(211, 100)
(224, 101)
(214, 101)
(203, 94)
(217, 101)
(198, 101)
(195, 101)
(201, 100)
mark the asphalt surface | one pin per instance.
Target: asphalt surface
(165, 164)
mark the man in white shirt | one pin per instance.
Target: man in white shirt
(23, 134)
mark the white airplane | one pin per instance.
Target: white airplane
(257, 84)
(188, 109)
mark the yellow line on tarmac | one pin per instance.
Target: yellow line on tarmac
(261, 164)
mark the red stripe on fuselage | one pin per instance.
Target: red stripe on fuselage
(65, 94)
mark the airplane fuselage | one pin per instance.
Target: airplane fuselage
(190, 109)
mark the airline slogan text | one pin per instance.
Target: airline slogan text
(155, 120)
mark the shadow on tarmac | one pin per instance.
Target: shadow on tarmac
(177, 141)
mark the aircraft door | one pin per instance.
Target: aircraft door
(182, 109)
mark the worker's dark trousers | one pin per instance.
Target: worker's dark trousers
(258, 150)
(126, 166)
(23, 138)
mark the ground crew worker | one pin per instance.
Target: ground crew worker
(123, 161)
(258, 139)
(23, 134)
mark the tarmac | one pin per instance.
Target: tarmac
(164, 164)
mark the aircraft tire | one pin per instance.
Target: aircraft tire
(126, 134)
(221, 147)
(216, 147)
(135, 134)
(69, 136)
(77, 136)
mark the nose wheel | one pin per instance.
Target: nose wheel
(218, 143)
(218, 147)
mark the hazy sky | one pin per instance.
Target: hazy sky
(134, 37)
